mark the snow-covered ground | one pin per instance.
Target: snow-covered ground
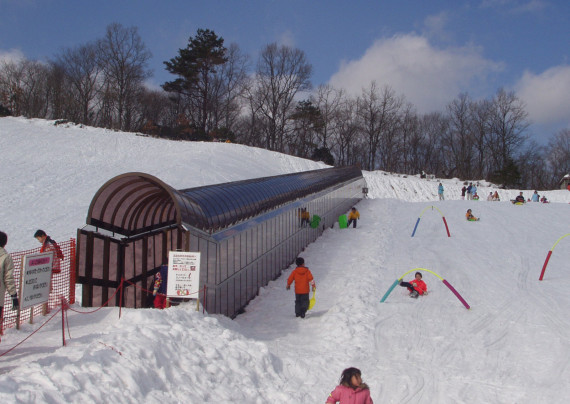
(510, 347)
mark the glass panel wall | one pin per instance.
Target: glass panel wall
(249, 259)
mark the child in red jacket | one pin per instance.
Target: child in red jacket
(416, 287)
(303, 278)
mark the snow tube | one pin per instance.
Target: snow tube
(342, 221)
(315, 221)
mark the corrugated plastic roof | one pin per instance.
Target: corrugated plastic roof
(134, 203)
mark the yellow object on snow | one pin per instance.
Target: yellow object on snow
(312, 301)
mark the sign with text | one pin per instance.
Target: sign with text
(36, 279)
(183, 274)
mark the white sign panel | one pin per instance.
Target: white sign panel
(183, 274)
(36, 278)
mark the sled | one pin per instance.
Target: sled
(315, 221)
(342, 221)
(312, 301)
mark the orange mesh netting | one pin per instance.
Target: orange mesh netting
(62, 285)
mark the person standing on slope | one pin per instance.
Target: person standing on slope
(303, 279)
(440, 192)
(49, 245)
(7, 282)
(353, 216)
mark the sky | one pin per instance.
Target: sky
(511, 346)
(427, 51)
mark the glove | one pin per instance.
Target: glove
(288, 287)
(314, 288)
(15, 302)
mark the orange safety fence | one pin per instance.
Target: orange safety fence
(62, 285)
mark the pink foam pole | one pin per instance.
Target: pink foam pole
(456, 293)
(545, 264)
(446, 228)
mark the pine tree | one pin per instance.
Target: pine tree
(195, 67)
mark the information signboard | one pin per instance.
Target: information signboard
(35, 279)
(183, 274)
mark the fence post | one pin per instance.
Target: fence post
(72, 252)
(63, 320)
(121, 286)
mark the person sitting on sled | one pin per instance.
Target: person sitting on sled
(416, 287)
(469, 216)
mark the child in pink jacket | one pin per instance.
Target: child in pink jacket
(350, 390)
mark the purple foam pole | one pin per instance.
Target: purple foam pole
(456, 293)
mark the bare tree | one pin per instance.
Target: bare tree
(480, 128)
(508, 123)
(558, 156)
(378, 113)
(327, 100)
(458, 139)
(532, 169)
(307, 123)
(230, 85)
(82, 70)
(409, 128)
(282, 72)
(24, 88)
(123, 58)
(428, 150)
(346, 133)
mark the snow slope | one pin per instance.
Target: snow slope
(510, 347)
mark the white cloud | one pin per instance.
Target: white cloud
(435, 26)
(547, 95)
(12, 55)
(286, 39)
(426, 76)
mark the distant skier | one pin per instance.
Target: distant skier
(351, 389)
(303, 279)
(416, 287)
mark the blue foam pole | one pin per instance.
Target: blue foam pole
(396, 282)
(415, 227)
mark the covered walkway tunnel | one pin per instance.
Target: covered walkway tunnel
(246, 231)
